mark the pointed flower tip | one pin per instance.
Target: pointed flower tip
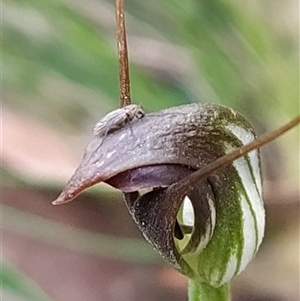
(58, 202)
(62, 198)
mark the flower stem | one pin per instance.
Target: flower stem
(200, 291)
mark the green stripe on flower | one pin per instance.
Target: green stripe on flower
(237, 192)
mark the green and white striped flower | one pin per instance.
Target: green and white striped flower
(208, 230)
(236, 227)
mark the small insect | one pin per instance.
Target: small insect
(117, 119)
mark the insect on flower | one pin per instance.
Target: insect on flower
(117, 119)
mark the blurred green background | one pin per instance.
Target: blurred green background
(60, 76)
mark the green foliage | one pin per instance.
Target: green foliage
(87, 242)
(17, 286)
(236, 57)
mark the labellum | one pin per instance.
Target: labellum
(208, 229)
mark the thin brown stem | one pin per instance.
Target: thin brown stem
(238, 153)
(125, 98)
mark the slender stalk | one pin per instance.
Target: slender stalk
(238, 153)
(200, 291)
(125, 98)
